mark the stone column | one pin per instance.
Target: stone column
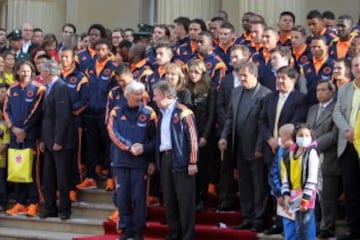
(270, 9)
(46, 14)
(168, 10)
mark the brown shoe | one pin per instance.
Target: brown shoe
(153, 201)
(88, 183)
(212, 189)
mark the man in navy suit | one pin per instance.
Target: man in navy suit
(286, 105)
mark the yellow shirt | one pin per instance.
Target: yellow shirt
(355, 105)
(5, 139)
(295, 171)
(357, 136)
(8, 78)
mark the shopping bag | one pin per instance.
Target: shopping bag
(20, 163)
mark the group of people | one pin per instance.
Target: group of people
(179, 107)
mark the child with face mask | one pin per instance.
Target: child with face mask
(285, 143)
(299, 177)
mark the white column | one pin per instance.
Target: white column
(168, 10)
(46, 14)
(270, 9)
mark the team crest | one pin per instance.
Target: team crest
(73, 80)
(15, 94)
(185, 53)
(83, 58)
(327, 70)
(308, 71)
(136, 73)
(142, 118)
(91, 71)
(176, 118)
(30, 94)
(107, 71)
(209, 65)
(123, 118)
(304, 59)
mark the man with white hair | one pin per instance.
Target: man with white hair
(57, 142)
(132, 129)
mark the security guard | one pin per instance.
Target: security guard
(132, 129)
(15, 45)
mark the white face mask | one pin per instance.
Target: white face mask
(303, 141)
(279, 142)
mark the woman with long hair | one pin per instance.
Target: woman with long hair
(204, 101)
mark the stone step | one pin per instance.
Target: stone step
(7, 233)
(92, 210)
(97, 195)
(73, 225)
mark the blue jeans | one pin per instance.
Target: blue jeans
(290, 227)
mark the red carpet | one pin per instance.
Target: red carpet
(207, 223)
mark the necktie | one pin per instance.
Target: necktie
(320, 111)
(279, 107)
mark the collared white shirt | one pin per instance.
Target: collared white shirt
(25, 46)
(165, 135)
(285, 95)
(237, 82)
(324, 105)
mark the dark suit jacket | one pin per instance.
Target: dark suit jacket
(223, 98)
(250, 139)
(293, 111)
(57, 126)
(326, 136)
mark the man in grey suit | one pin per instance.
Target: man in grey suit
(320, 119)
(241, 124)
(345, 114)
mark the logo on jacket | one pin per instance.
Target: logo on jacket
(304, 59)
(30, 94)
(142, 118)
(123, 118)
(107, 71)
(83, 58)
(176, 118)
(136, 73)
(327, 70)
(209, 65)
(73, 80)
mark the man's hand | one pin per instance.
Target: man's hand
(222, 144)
(137, 149)
(192, 169)
(349, 135)
(57, 147)
(280, 201)
(202, 142)
(273, 144)
(42, 147)
(151, 168)
(258, 154)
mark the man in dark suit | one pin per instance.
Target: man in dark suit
(286, 105)
(56, 142)
(241, 124)
(320, 119)
(239, 54)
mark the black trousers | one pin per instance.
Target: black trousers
(179, 198)
(97, 142)
(226, 183)
(351, 184)
(57, 177)
(252, 188)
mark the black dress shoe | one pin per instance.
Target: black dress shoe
(138, 235)
(48, 214)
(325, 234)
(257, 228)
(226, 205)
(242, 226)
(65, 216)
(349, 236)
(200, 206)
(273, 230)
(126, 234)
